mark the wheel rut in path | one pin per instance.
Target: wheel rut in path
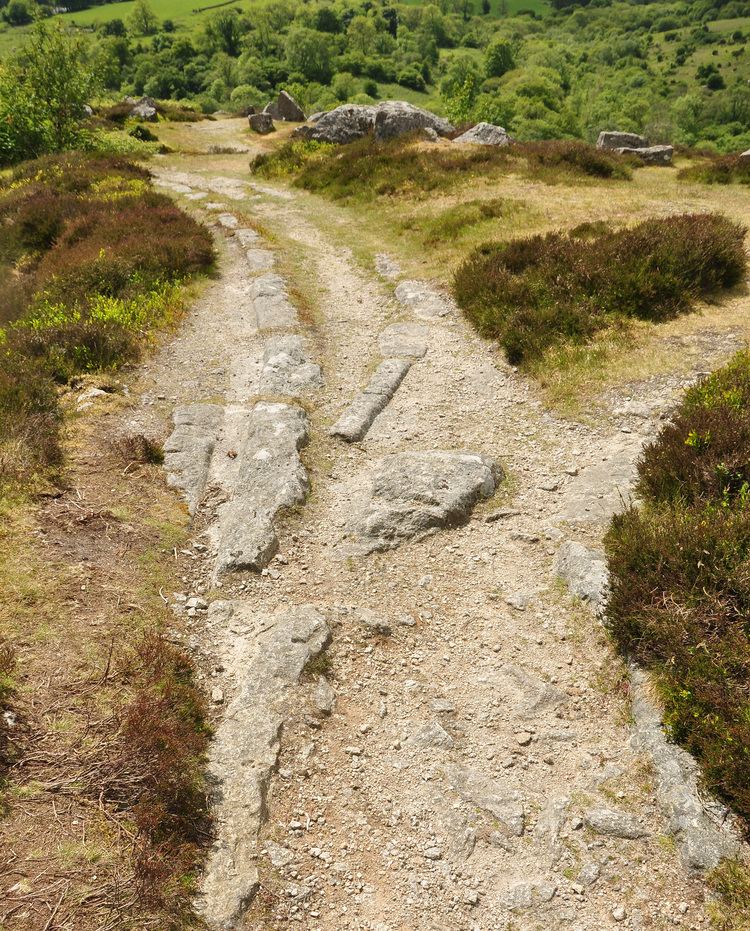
(460, 754)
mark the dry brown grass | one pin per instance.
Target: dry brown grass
(102, 830)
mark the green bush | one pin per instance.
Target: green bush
(531, 294)
(680, 597)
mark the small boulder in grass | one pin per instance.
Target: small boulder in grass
(261, 123)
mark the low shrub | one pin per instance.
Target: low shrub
(92, 259)
(289, 158)
(29, 418)
(366, 169)
(680, 597)
(724, 169)
(156, 768)
(531, 294)
(574, 157)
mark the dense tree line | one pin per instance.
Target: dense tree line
(582, 67)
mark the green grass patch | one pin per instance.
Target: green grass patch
(450, 224)
(537, 293)
(680, 597)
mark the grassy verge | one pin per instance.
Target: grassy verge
(104, 749)
(537, 293)
(680, 595)
(366, 170)
(90, 263)
(101, 751)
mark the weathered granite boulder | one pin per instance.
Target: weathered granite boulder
(412, 494)
(145, 109)
(285, 108)
(397, 118)
(484, 134)
(261, 123)
(651, 155)
(385, 120)
(615, 140)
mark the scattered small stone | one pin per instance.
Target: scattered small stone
(619, 913)
(217, 695)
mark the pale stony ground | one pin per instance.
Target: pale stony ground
(447, 784)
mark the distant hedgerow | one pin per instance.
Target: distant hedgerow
(531, 294)
(680, 587)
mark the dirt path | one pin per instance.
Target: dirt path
(460, 756)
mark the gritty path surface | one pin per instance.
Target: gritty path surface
(460, 755)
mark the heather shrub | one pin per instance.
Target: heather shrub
(679, 604)
(91, 259)
(679, 562)
(723, 169)
(531, 294)
(156, 768)
(367, 169)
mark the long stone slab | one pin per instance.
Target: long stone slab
(287, 369)
(188, 450)
(698, 823)
(273, 309)
(266, 665)
(270, 477)
(357, 419)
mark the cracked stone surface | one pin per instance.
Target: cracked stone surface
(264, 665)
(270, 477)
(188, 450)
(412, 494)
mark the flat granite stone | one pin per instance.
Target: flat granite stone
(412, 494)
(287, 370)
(270, 477)
(265, 666)
(188, 450)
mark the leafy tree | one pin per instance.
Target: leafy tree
(143, 21)
(224, 31)
(19, 12)
(486, 7)
(114, 27)
(361, 34)
(309, 52)
(326, 19)
(498, 59)
(43, 93)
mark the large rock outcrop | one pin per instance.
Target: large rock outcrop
(261, 123)
(650, 154)
(616, 140)
(285, 108)
(385, 120)
(484, 134)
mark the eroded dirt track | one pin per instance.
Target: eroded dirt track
(459, 755)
